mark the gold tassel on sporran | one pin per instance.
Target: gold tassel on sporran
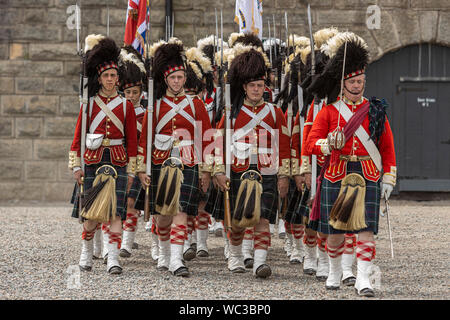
(348, 212)
(167, 201)
(100, 201)
(247, 210)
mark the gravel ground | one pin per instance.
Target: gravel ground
(42, 242)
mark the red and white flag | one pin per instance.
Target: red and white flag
(136, 24)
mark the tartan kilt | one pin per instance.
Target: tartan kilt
(269, 197)
(135, 188)
(121, 185)
(294, 197)
(189, 195)
(329, 194)
(302, 211)
(204, 196)
(214, 202)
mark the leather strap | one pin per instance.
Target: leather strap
(362, 135)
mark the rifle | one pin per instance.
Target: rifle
(148, 167)
(107, 19)
(300, 105)
(315, 106)
(227, 130)
(84, 106)
(214, 63)
(227, 148)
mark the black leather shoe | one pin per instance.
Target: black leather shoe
(350, 281)
(115, 270)
(162, 268)
(332, 287)
(321, 278)
(309, 272)
(189, 254)
(124, 253)
(181, 272)
(263, 271)
(202, 254)
(366, 292)
(248, 263)
(85, 268)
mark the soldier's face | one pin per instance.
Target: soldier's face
(175, 81)
(354, 87)
(272, 77)
(254, 90)
(133, 94)
(108, 79)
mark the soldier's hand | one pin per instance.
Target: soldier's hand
(283, 186)
(222, 181)
(205, 181)
(78, 175)
(308, 180)
(144, 178)
(299, 181)
(386, 189)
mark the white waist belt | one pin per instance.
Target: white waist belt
(112, 142)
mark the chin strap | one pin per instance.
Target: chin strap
(362, 90)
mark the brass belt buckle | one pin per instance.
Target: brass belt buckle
(353, 158)
(106, 142)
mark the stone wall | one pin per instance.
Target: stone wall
(39, 67)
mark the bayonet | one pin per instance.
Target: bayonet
(107, 18)
(270, 44)
(148, 166)
(315, 105)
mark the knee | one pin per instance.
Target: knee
(263, 225)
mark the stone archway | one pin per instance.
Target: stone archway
(400, 28)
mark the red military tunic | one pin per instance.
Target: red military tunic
(327, 121)
(140, 111)
(268, 93)
(111, 132)
(181, 128)
(273, 157)
(209, 104)
(301, 159)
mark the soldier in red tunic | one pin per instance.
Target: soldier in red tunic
(178, 127)
(237, 41)
(132, 83)
(199, 79)
(354, 135)
(260, 149)
(110, 126)
(316, 259)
